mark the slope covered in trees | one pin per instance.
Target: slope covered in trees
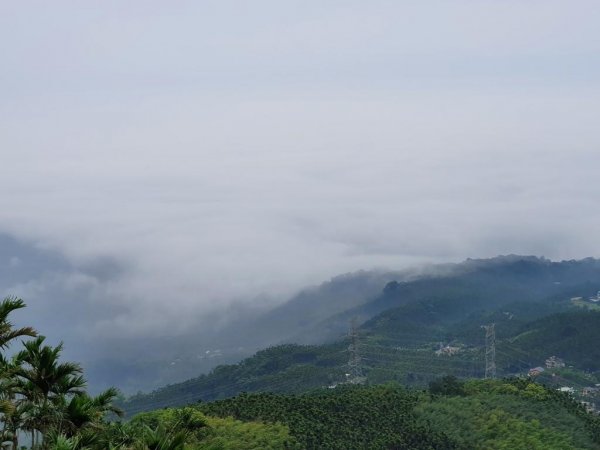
(510, 414)
(343, 418)
(528, 299)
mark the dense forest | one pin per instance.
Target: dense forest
(450, 414)
(515, 414)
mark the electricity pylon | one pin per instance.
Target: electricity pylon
(355, 373)
(490, 350)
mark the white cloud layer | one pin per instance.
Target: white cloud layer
(225, 150)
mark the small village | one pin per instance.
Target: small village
(592, 303)
(588, 396)
(554, 372)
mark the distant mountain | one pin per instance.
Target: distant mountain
(471, 285)
(528, 298)
(299, 319)
(246, 330)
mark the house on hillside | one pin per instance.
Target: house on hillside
(535, 371)
(447, 351)
(554, 362)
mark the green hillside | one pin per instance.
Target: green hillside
(343, 418)
(512, 414)
(574, 336)
(528, 300)
(515, 414)
(294, 368)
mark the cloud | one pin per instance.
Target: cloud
(175, 161)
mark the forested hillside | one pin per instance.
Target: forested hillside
(343, 418)
(432, 326)
(510, 414)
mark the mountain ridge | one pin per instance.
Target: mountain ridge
(416, 316)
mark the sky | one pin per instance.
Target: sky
(164, 162)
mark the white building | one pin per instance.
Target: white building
(566, 389)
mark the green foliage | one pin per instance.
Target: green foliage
(346, 417)
(161, 438)
(167, 428)
(39, 366)
(478, 414)
(230, 434)
(284, 368)
(44, 396)
(569, 335)
(500, 430)
(188, 421)
(511, 414)
(448, 385)
(7, 332)
(62, 442)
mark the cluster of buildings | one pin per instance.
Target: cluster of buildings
(554, 362)
(534, 372)
(447, 350)
(586, 395)
(595, 299)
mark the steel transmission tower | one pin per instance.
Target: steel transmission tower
(490, 350)
(355, 373)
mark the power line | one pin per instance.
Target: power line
(363, 357)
